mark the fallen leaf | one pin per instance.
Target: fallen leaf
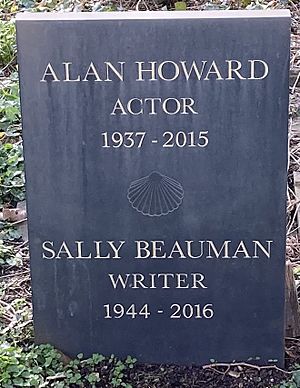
(234, 374)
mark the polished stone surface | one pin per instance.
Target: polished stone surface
(117, 159)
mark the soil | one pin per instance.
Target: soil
(211, 376)
(151, 376)
(214, 376)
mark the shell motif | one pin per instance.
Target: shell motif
(155, 195)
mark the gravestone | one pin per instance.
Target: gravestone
(156, 155)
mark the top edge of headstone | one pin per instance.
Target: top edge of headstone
(144, 15)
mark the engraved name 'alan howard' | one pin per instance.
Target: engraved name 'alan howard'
(205, 70)
(158, 249)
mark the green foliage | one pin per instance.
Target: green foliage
(9, 101)
(8, 256)
(245, 3)
(180, 6)
(8, 45)
(9, 233)
(8, 7)
(296, 271)
(20, 329)
(27, 369)
(294, 381)
(11, 173)
(118, 371)
(42, 366)
(11, 151)
(12, 367)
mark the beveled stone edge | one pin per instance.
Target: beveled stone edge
(150, 15)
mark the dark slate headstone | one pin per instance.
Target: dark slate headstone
(156, 156)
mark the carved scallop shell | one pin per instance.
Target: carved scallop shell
(155, 194)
